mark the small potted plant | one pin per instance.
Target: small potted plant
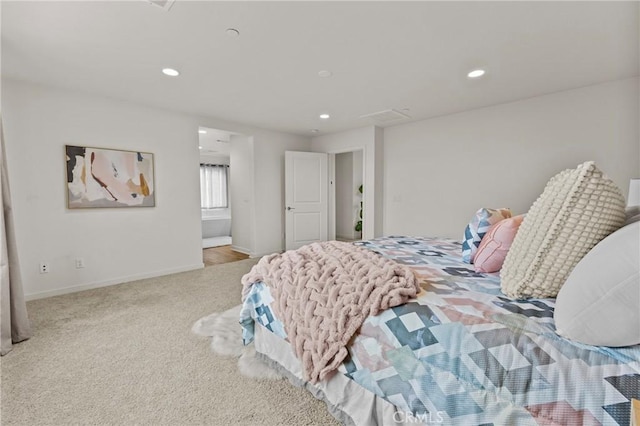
(358, 227)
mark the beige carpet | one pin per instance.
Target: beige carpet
(125, 355)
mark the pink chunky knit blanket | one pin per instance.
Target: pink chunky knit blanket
(324, 291)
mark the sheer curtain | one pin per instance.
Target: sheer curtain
(14, 323)
(213, 186)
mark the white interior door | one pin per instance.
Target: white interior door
(305, 198)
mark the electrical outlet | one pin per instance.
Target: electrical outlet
(79, 263)
(44, 268)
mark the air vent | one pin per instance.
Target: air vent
(386, 117)
(162, 4)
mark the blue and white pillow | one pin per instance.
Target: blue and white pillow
(478, 227)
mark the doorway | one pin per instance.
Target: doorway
(348, 179)
(215, 198)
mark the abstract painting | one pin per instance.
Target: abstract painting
(98, 177)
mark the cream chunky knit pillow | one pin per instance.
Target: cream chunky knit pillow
(577, 209)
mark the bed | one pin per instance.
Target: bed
(459, 353)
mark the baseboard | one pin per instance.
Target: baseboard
(251, 254)
(114, 281)
(241, 250)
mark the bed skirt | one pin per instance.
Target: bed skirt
(347, 401)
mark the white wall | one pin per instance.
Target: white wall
(257, 187)
(369, 140)
(241, 188)
(344, 196)
(116, 244)
(215, 159)
(126, 244)
(438, 172)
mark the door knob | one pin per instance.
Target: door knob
(290, 208)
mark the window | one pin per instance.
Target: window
(213, 186)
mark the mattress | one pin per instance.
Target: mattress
(461, 353)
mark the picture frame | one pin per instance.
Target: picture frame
(109, 178)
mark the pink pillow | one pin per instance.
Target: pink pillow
(496, 243)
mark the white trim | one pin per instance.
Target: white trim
(110, 282)
(241, 250)
(251, 254)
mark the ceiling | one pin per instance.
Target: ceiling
(408, 56)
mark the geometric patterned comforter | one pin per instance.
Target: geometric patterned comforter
(463, 353)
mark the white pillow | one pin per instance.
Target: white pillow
(577, 209)
(599, 304)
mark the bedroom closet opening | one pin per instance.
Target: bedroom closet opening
(215, 197)
(348, 179)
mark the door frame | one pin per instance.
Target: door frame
(331, 217)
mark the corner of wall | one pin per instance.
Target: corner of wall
(379, 181)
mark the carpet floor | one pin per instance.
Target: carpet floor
(125, 355)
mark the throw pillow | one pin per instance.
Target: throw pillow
(577, 209)
(600, 302)
(475, 230)
(495, 245)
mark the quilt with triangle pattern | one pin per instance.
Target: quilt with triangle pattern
(463, 353)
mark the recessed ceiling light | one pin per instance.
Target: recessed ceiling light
(202, 132)
(200, 147)
(324, 73)
(232, 32)
(314, 130)
(324, 116)
(170, 72)
(476, 73)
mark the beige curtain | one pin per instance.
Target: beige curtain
(14, 323)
